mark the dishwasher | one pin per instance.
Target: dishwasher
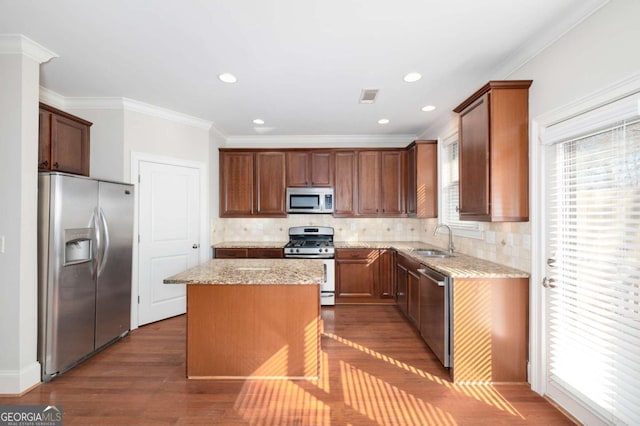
(435, 313)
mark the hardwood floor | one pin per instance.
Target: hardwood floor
(375, 371)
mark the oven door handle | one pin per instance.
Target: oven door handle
(324, 267)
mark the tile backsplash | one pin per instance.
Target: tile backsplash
(392, 229)
(504, 243)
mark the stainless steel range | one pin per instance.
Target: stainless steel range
(315, 242)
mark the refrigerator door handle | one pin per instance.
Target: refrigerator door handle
(98, 245)
(104, 256)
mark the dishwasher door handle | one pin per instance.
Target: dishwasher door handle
(424, 273)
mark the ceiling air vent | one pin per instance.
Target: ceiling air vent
(368, 96)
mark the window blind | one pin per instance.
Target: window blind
(450, 191)
(593, 237)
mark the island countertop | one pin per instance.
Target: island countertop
(252, 271)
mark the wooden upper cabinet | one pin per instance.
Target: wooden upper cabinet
(345, 189)
(236, 183)
(368, 183)
(63, 144)
(422, 179)
(392, 183)
(270, 184)
(380, 183)
(309, 168)
(494, 153)
(252, 183)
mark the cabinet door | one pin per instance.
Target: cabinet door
(426, 171)
(297, 168)
(321, 168)
(413, 297)
(356, 272)
(401, 288)
(265, 253)
(345, 183)
(368, 183)
(412, 193)
(391, 184)
(474, 160)
(44, 140)
(69, 145)
(236, 184)
(231, 253)
(386, 278)
(270, 184)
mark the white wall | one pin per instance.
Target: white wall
(107, 142)
(599, 52)
(149, 134)
(19, 87)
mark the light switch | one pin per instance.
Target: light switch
(2, 244)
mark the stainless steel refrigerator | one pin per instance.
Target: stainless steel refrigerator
(85, 238)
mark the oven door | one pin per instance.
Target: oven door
(328, 287)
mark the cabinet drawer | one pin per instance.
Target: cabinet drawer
(356, 253)
(231, 253)
(266, 253)
(408, 263)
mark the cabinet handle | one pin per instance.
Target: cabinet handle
(45, 163)
(55, 165)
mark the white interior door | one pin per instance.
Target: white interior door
(169, 230)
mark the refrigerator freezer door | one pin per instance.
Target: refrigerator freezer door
(113, 299)
(67, 286)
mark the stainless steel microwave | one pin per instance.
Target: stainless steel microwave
(309, 200)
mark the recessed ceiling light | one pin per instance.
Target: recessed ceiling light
(227, 77)
(412, 76)
(383, 121)
(428, 108)
(258, 121)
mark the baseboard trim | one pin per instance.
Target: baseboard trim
(17, 383)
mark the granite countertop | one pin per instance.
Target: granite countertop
(252, 271)
(459, 266)
(250, 244)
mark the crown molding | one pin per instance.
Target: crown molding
(167, 114)
(55, 99)
(17, 44)
(325, 141)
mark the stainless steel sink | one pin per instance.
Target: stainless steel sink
(433, 253)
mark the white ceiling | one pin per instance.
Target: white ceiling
(301, 64)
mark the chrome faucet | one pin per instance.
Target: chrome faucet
(442, 225)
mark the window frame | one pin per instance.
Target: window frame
(470, 229)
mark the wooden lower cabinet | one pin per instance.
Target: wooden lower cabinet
(356, 271)
(401, 287)
(413, 296)
(408, 287)
(365, 275)
(249, 253)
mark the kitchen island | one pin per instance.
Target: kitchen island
(253, 318)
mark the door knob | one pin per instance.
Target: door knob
(195, 246)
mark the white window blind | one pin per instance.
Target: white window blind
(450, 192)
(593, 235)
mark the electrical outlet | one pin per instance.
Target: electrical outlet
(399, 226)
(353, 226)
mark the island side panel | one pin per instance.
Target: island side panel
(253, 331)
(490, 330)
